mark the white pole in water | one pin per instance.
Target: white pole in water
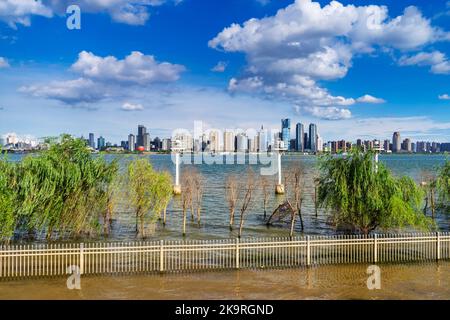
(177, 169)
(279, 168)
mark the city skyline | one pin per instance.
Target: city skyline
(365, 78)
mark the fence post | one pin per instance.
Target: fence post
(1, 261)
(161, 256)
(81, 258)
(438, 246)
(375, 248)
(237, 253)
(308, 251)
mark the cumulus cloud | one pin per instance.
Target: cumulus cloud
(3, 63)
(303, 44)
(135, 68)
(132, 107)
(437, 60)
(370, 99)
(220, 66)
(444, 96)
(326, 113)
(106, 77)
(14, 12)
(134, 12)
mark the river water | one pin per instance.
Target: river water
(215, 209)
(399, 281)
(406, 281)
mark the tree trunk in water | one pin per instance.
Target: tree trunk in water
(198, 215)
(241, 225)
(142, 227)
(433, 205)
(315, 200)
(184, 223)
(299, 210)
(192, 213)
(231, 218)
(292, 224)
(164, 216)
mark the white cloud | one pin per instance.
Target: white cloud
(327, 113)
(370, 99)
(14, 12)
(444, 96)
(304, 43)
(107, 77)
(220, 66)
(3, 63)
(134, 12)
(135, 68)
(132, 107)
(437, 60)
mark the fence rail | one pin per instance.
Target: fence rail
(177, 255)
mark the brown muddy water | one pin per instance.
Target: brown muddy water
(407, 281)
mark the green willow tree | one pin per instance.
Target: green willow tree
(59, 192)
(443, 185)
(150, 192)
(365, 195)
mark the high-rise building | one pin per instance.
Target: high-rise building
(214, 141)
(319, 143)
(147, 142)
(131, 142)
(299, 136)
(241, 142)
(312, 137)
(262, 140)
(386, 145)
(396, 142)
(157, 144)
(406, 145)
(305, 141)
(101, 143)
(91, 140)
(228, 141)
(140, 136)
(166, 145)
(286, 132)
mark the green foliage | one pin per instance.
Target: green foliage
(443, 184)
(62, 190)
(366, 196)
(150, 192)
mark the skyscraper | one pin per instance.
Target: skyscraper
(299, 137)
(241, 142)
(396, 142)
(262, 140)
(286, 132)
(228, 141)
(147, 142)
(214, 141)
(131, 142)
(91, 140)
(140, 136)
(312, 137)
(101, 143)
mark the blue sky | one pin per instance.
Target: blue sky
(356, 68)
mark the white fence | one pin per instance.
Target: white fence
(192, 255)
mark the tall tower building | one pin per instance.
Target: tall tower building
(214, 141)
(396, 144)
(286, 132)
(228, 141)
(140, 136)
(101, 143)
(91, 140)
(299, 137)
(131, 142)
(312, 137)
(262, 140)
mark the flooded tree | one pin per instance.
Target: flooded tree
(232, 194)
(365, 198)
(186, 196)
(246, 190)
(294, 181)
(149, 191)
(443, 186)
(429, 185)
(266, 191)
